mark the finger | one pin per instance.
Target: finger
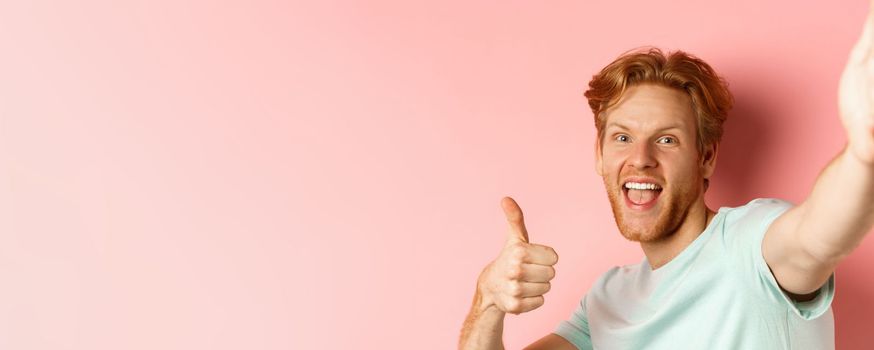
(514, 217)
(535, 273)
(540, 254)
(862, 50)
(530, 289)
(518, 306)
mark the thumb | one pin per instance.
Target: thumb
(518, 232)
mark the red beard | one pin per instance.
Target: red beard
(673, 206)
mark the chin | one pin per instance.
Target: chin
(656, 224)
(643, 234)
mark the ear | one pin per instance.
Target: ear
(599, 162)
(708, 160)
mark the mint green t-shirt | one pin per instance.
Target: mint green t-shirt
(718, 293)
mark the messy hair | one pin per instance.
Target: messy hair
(709, 93)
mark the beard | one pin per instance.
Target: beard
(674, 204)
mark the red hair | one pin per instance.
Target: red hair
(709, 93)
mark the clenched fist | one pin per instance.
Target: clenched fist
(517, 279)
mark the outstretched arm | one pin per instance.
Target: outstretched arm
(805, 244)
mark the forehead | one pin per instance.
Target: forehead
(650, 106)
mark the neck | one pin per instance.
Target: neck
(658, 253)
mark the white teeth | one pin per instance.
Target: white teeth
(641, 186)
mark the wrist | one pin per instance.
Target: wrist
(860, 155)
(860, 143)
(484, 302)
(485, 305)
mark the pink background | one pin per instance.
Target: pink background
(266, 175)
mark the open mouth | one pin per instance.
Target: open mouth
(641, 195)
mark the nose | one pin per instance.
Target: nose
(642, 156)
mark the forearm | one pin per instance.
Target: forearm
(484, 326)
(840, 210)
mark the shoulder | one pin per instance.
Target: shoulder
(757, 213)
(741, 229)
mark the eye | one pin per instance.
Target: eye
(622, 138)
(667, 140)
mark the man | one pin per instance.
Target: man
(759, 276)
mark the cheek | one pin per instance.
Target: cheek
(612, 170)
(612, 161)
(684, 171)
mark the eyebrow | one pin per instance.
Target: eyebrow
(623, 127)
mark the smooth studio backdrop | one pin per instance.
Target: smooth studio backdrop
(327, 175)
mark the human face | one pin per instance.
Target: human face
(650, 163)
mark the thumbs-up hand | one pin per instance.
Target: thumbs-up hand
(517, 279)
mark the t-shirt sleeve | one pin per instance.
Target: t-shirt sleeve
(576, 329)
(747, 227)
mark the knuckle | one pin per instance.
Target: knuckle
(514, 305)
(518, 272)
(519, 251)
(514, 289)
(516, 262)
